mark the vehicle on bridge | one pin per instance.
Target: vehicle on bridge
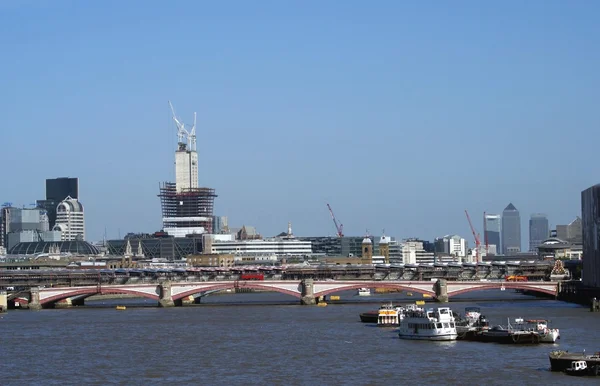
(516, 278)
(252, 276)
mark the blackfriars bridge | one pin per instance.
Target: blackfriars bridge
(308, 291)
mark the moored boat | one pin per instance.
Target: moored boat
(432, 324)
(547, 335)
(499, 334)
(364, 292)
(369, 317)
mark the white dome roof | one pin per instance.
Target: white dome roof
(384, 240)
(367, 240)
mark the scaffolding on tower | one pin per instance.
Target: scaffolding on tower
(189, 208)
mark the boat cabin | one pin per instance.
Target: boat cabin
(578, 366)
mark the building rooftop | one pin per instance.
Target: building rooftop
(78, 247)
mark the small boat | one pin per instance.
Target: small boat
(364, 292)
(547, 335)
(472, 313)
(369, 317)
(561, 360)
(121, 308)
(322, 304)
(499, 334)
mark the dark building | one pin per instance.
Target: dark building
(428, 246)
(538, 230)
(590, 218)
(347, 246)
(157, 246)
(60, 188)
(57, 189)
(511, 230)
(492, 225)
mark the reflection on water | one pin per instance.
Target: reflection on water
(232, 339)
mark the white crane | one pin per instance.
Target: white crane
(190, 136)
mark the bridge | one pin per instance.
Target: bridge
(308, 291)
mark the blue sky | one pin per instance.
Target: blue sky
(399, 114)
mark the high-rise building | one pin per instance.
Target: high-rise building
(412, 251)
(186, 208)
(590, 218)
(70, 220)
(538, 230)
(511, 230)
(451, 245)
(61, 188)
(493, 228)
(58, 189)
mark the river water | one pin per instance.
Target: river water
(267, 338)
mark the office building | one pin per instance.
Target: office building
(413, 252)
(70, 220)
(590, 218)
(58, 189)
(571, 233)
(538, 230)
(492, 230)
(511, 230)
(13, 221)
(451, 245)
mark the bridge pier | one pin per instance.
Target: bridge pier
(34, 299)
(63, 303)
(3, 301)
(165, 295)
(308, 292)
(441, 291)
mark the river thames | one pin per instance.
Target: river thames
(266, 338)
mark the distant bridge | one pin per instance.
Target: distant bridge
(169, 294)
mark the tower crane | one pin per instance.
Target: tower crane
(475, 236)
(338, 227)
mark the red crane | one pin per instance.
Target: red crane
(475, 236)
(339, 228)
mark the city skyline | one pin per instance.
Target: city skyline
(311, 101)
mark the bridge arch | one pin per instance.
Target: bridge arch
(506, 285)
(225, 286)
(95, 291)
(404, 287)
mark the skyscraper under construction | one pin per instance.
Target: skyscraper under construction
(186, 208)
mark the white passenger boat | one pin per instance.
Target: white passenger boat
(432, 324)
(364, 292)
